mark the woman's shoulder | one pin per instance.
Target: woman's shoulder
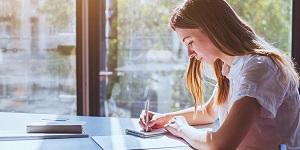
(266, 69)
(261, 61)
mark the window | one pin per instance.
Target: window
(146, 61)
(37, 56)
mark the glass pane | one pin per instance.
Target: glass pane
(271, 20)
(37, 56)
(150, 61)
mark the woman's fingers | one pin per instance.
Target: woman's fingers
(142, 121)
(176, 122)
(143, 115)
(175, 125)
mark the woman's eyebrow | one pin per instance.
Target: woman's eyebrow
(185, 38)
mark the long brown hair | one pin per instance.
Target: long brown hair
(230, 34)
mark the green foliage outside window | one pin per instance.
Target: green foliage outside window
(271, 19)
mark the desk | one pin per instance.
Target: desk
(95, 126)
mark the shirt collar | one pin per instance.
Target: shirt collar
(236, 66)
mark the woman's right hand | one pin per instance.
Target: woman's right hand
(156, 120)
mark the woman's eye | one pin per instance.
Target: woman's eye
(190, 43)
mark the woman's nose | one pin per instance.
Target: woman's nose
(191, 53)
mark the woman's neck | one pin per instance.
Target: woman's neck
(227, 59)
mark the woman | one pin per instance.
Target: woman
(256, 97)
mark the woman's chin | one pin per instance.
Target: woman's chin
(207, 61)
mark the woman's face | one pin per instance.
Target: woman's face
(199, 45)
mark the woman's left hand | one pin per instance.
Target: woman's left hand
(176, 124)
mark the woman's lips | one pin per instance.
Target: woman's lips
(200, 59)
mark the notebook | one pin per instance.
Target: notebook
(55, 127)
(144, 134)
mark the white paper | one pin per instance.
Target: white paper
(121, 142)
(166, 140)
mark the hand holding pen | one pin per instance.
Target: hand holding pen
(151, 120)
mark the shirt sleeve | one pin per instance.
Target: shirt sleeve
(262, 80)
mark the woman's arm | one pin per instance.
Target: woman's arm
(235, 127)
(205, 115)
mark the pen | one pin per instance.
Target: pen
(146, 111)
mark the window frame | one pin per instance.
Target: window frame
(296, 32)
(90, 50)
